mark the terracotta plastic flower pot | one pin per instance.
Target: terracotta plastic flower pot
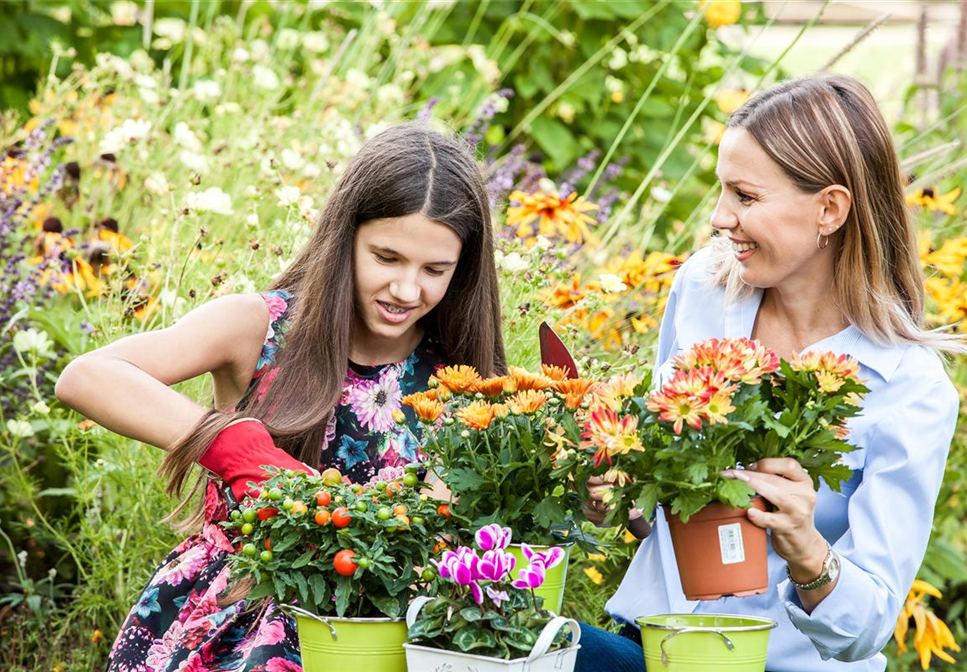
(720, 552)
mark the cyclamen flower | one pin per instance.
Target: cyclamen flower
(495, 565)
(531, 577)
(493, 536)
(497, 596)
(549, 559)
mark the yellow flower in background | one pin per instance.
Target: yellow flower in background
(949, 259)
(929, 199)
(553, 215)
(15, 175)
(931, 636)
(593, 573)
(731, 100)
(721, 12)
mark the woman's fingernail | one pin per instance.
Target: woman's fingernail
(742, 477)
(753, 466)
(728, 473)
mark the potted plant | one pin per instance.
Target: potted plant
(345, 559)
(485, 620)
(489, 438)
(726, 404)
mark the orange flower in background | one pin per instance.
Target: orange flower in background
(477, 415)
(527, 401)
(931, 636)
(458, 378)
(554, 215)
(555, 372)
(525, 380)
(490, 387)
(427, 408)
(565, 296)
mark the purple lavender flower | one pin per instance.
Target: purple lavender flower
(493, 536)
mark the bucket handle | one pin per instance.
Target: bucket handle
(548, 634)
(664, 656)
(544, 640)
(292, 610)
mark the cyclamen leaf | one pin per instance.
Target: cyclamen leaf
(470, 613)
(388, 605)
(465, 639)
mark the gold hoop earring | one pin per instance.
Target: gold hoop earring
(825, 242)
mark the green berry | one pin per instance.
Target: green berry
(265, 556)
(247, 528)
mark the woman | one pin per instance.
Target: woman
(815, 251)
(397, 279)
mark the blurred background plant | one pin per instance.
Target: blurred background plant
(157, 154)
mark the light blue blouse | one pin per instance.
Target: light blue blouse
(879, 524)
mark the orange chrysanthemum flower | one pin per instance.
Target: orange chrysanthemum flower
(615, 390)
(477, 415)
(565, 296)
(527, 401)
(458, 378)
(556, 372)
(525, 380)
(611, 434)
(490, 387)
(574, 391)
(426, 406)
(554, 215)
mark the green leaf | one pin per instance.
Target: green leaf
(733, 492)
(304, 559)
(648, 498)
(320, 589)
(470, 614)
(264, 589)
(549, 512)
(462, 479)
(343, 594)
(558, 143)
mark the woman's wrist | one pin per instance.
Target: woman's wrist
(806, 566)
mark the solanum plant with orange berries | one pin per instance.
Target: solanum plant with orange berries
(722, 404)
(494, 443)
(339, 548)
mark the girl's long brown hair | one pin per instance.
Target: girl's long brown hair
(403, 170)
(827, 130)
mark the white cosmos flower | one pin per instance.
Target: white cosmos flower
(265, 78)
(207, 90)
(611, 283)
(291, 159)
(315, 42)
(212, 200)
(124, 13)
(194, 161)
(20, 428)
(287, 196)
(184, 137)
(33, 341)
(513, 263)
(128, 132)
(157, 184)
(287, 39)
(171, 28)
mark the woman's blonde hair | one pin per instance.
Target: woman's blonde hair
(827, 130)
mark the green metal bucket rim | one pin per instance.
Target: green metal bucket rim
(764, 623)
(297, 612)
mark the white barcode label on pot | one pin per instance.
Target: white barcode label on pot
(730, 543)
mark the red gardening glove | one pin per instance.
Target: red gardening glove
(237, 453)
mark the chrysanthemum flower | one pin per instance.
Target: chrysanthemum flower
(611, 434)
(525, 380)
(555, 372)
(489, 387)
(527, 401)
(458, 378)
(613, 391)
(427, 407)
(554, 215)
(476, 415)
(574, 391)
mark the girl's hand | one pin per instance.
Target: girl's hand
(596, 510)
(786, 485)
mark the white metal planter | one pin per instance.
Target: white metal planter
(426, 659)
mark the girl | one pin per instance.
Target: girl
(397, 279)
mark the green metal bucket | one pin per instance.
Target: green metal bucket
(705, 642)
(553, 589)
(330, 644)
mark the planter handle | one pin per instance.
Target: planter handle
(414, 609)
(664, 656)
(550, 632)
(292, 610)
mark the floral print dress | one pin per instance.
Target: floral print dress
(177, 624)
